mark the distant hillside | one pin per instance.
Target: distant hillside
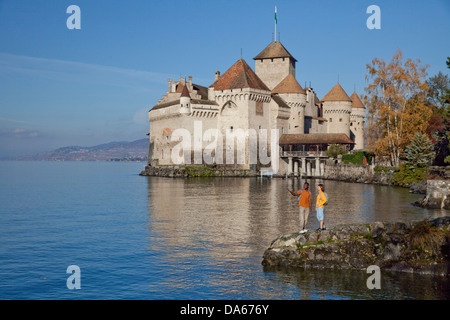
(113, 151)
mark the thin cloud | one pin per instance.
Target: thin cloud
(75, 71)
(14, 120)
(19, 133)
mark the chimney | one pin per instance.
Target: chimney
(190, 82)
(170, 86)
(217, 76)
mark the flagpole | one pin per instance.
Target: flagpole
(275, 23)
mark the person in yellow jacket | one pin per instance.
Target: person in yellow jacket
(321, 199)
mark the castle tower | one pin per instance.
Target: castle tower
(273, 64)
(337, 107)
(295, 96)
(243, 98)
(185, 101)
(357, 121)
(244, 104)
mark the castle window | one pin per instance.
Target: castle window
(231, 128)
(340, 119)
(259, 108)
(271, 59)
(351, 124)
(331, 120)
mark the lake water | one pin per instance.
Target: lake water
(137, 237)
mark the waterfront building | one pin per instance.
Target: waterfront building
(268, 101)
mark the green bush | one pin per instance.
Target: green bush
(357, 157)
(405, 175)
(347, 158)
(379, 169)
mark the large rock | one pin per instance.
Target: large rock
(419, 246)
(437, 195)
(418, 187)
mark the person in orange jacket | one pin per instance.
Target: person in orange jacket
(304, 204)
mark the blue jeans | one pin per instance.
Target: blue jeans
(320, 214)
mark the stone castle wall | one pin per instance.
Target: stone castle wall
(357, 127)
(338, 115)
(272, 71)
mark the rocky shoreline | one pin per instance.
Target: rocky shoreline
(417, 246)
(195, 171)
(437, 195)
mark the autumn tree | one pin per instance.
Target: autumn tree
(395, 100)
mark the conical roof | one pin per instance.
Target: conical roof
(336, 94)
(239, 75)
(356, 101)
(288, 85)
(185, 92)
(274, 50)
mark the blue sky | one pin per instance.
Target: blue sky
(62, 87)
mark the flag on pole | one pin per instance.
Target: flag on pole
(276, 24)
(276, 15)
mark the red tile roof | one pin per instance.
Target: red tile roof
(180, 87)
(185, 92)
(315, 138)
(288, 85)
(239, 75)
(274, 50)
(356, 101)
(336, 94)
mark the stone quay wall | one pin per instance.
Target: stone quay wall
(358, 173)
(196, 171)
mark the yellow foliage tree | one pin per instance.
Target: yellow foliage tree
(395, 101)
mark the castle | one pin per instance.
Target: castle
(268, 99)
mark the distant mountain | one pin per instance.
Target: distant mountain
(112, 151)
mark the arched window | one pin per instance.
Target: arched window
(229, 108)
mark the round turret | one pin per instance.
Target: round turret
(337, 107)
(185, 101)
(295, 96)
(357, 121)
